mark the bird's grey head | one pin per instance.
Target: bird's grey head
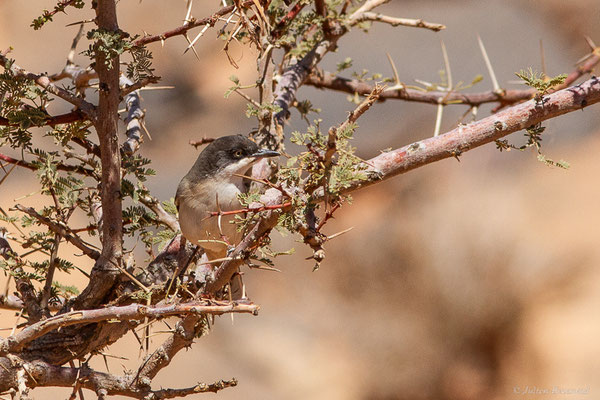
(228, 155)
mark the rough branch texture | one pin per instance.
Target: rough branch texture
(16, 342)
(467, 137)
(327, 80)
(106, 271)
(39, 373)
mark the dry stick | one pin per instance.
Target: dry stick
(185, 332)
(394, 21)
(16, 342)
(201, 142)
(327, 80)
(40, 373)
(61, 230)
(11, 302)
(248, 209)
(181, 30)
(467, 137)
(241, 252)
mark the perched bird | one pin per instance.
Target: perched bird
(212, 184)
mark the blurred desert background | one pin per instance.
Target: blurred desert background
(461, 280)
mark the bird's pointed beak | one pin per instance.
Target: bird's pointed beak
(265, 153)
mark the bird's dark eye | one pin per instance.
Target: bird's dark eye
(237, 153)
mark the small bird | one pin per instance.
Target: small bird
(212, 184)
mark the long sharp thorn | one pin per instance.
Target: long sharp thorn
(192, 47)
(438, 119)
(543, 58)
(488, 64)
(394, 70)
(590, 43)
(188, 14)
(447, 65)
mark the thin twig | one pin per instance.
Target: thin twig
(394, 21)
(61, 230)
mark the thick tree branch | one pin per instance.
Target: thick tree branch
(15, 343)
(106, 270)
(468, 137)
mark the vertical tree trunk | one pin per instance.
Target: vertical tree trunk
(106, 271)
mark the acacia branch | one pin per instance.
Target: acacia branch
(11, 302)
(327, 80)
(295, 75)
(16, 342)
(242, 252)
(24, 286)
(394, 21)
(46, 83)
(199, 388)
(107, 268)
(41, 374)
(192, 23)
(59, 166)
(67, 118)
(61, 230)
(465, 138)
(186, 330)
